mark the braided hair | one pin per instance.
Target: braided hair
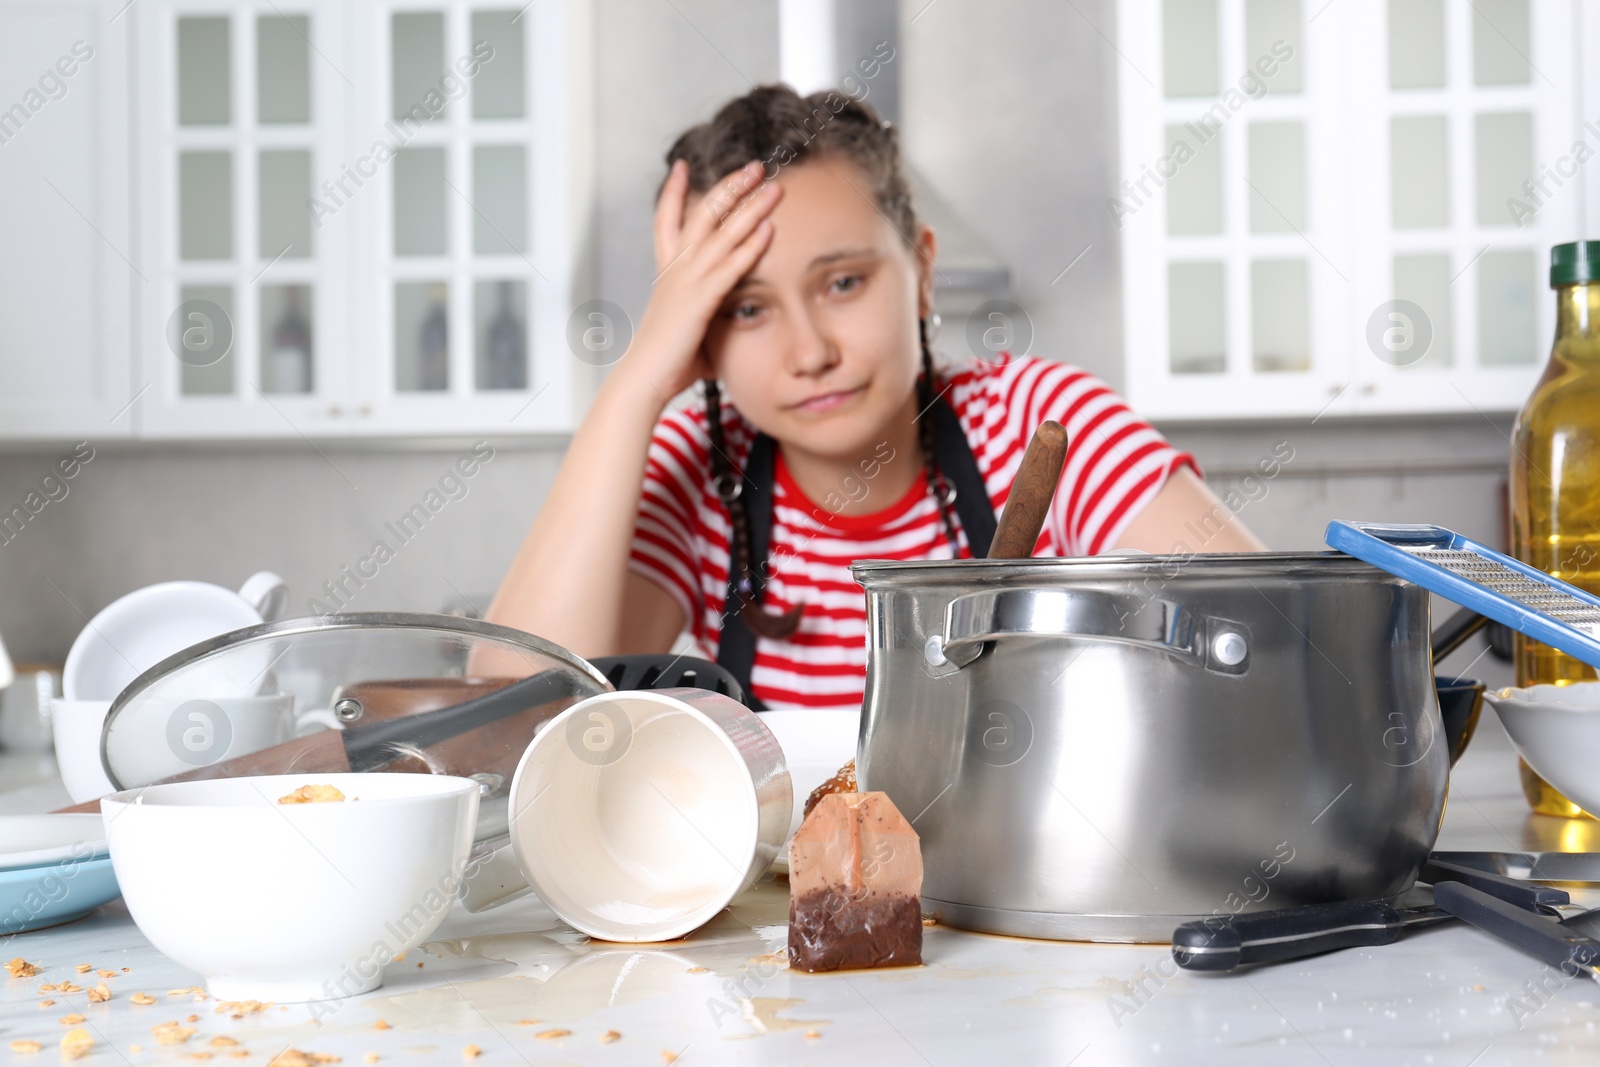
(775, 124)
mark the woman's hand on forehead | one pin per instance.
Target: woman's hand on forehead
(682, 219)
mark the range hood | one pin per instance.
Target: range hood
(820, 42)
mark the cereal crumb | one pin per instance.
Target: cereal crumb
(369, 1057)
(69, 987)
(527, 1022)
(929, 920)
(419, 965)
(238, 1009)
(697, 970)
(25, 1047)
(200, 1055)
(176, 992)
(84, 968)
(21, 968)
(71, 1020)
(135, 1048)
(472, 1052)
(312, 794)
(610, 1036)
(142, 998)
(552, 1035)
(223, 1041)
(191, 1018)
(293, 1057)
(46, 1003)
(812, 1035)
(100, 994)
(172, 1033)
(48, 987)
(668, 1057)
(239, 1053)
(75, 1044)
(107, 974)
(382, 1024)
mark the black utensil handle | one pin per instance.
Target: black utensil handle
(1454, 632)
(1538, 936)
(1284, 934)
(1525, 895)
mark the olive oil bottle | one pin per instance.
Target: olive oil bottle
(1555, 476)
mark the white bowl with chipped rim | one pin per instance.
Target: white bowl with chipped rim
(286, 903)
(1556, 728)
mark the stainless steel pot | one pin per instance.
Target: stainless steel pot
(1102, 748)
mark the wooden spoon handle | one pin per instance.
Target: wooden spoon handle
(1031, 493)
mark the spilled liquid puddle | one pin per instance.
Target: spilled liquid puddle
(762, 1014)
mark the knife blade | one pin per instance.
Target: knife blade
(1574, 867)
(1555, 944)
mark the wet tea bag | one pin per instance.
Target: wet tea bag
(855, 883)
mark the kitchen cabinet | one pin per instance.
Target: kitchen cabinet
(361, 218)
(1323, 207)
(67, 274)
(250, 219)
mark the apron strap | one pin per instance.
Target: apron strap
(736, 649)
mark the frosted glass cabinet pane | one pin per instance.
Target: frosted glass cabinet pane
(206, 368)
(417, 63)
(205, 205)
(499, 185)
(1506, 320)
(420, 227)
(500, 311)
(1501, 42)
(1278, 314)
(1196, 318)
(497, 91)
(1189, 47)
(1266, 23)
(1416, 44)
(287, 361)
(1278, 177)
(421, 337)
(285, 186)
(283, 69)
(1419, 192)
(205, 72)
(1194, 193)
(1425, 281)
(1504, 161)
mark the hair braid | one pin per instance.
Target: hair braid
(729, 487)
(944, 494)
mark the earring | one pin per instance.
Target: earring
(933, 326)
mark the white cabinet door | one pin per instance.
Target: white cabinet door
(67, 267)
(245, 327)
(473, 222)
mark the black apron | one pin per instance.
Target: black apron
(736, 651)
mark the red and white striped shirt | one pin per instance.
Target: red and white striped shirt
(1115, 464)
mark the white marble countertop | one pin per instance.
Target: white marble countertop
(524, 989)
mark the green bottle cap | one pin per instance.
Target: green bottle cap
(1574, 263)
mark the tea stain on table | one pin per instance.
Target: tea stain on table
(762, 1015)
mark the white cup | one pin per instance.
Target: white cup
(137, 631)
(159, 739)
(637, 816)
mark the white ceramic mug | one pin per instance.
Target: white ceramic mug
(161, 739)
(637, 816)
(139, 630)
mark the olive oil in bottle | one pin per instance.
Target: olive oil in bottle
(1555, 477)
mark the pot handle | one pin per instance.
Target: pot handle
(1218, 645)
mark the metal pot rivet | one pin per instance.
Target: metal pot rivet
(348, 709)
(1229, 648)
(933, 651)
(489, 783)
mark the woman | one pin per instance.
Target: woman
(796, 284)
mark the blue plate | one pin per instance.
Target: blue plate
(35, 897)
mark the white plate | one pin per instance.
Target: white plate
(137, 631)
(37, 840)
(1556, 728)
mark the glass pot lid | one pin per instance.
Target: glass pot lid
(430, 694)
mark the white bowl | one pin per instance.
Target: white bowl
(816, 742)
(137, 631)
(1556, 728)
(76, 726)
(291, 902)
